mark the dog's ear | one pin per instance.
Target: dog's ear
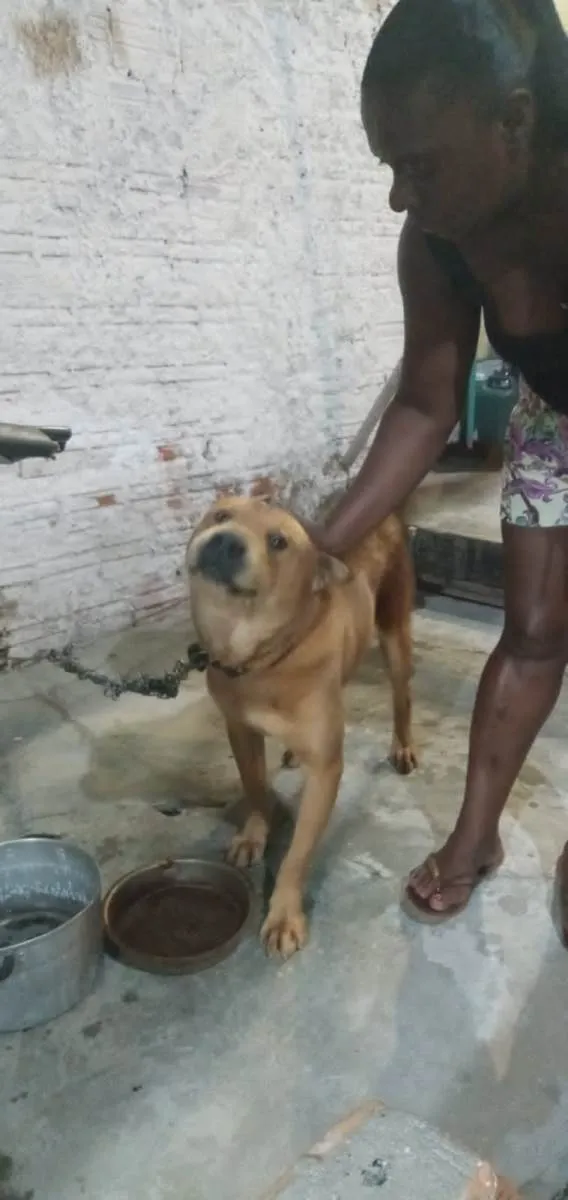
(263, 489)
(225, 492)
(329, 570)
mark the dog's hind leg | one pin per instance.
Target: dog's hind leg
(248, 846)
(394, 619)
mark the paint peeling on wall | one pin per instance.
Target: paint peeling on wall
(51, 43)
(8, 610)
(115, 36)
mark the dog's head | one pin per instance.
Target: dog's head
(255, 552)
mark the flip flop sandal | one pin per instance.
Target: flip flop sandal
(421, 910)
(486, 1185)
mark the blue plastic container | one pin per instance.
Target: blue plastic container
(492, 392)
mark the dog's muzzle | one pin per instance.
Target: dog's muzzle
(222, 558)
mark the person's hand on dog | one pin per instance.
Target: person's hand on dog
(317, 533)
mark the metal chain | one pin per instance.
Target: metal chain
(164, 687)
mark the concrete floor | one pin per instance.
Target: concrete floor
(212, 1086)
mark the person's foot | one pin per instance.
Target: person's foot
(486, 1185)
(442, 886)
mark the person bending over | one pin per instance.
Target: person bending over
(466, 101)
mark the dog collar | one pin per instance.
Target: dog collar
(231, 672)
(200, 660)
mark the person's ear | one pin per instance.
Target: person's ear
(329, 570)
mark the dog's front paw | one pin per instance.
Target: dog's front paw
(285, 930)
(245, 851)
(247, 848)
(403, 758)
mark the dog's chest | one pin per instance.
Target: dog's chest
(258, 703)
(267, 705)
(267, 721)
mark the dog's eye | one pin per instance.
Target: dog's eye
(277, 541)
(221, 516)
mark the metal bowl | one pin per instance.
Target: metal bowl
(50, 929)
(179, 916)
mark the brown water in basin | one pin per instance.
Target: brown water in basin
(178, 920)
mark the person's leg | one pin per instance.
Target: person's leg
(522, 678)
(517, 691)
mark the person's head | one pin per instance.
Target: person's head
(458, 97)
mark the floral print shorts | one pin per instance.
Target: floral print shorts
(535, 467)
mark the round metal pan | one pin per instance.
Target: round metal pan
(177, 917)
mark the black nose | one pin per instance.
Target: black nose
(222, 557)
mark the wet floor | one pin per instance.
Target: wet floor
(213, 1085)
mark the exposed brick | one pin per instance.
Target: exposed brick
(198, 276)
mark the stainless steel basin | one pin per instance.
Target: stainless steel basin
(50, 929)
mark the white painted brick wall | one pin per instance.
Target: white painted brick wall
(197, 275)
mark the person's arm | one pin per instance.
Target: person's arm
(440, 337)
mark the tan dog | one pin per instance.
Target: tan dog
(285, 626)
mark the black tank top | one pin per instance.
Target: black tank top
(541, 358)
